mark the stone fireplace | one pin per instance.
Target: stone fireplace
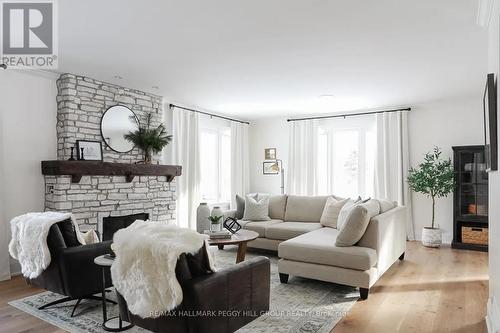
(117, 187)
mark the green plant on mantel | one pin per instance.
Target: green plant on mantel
(434, 177)
(214, 219)
(149, 140)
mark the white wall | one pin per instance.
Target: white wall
(493, 318)
(444, 124)
(262, 134)
(28, 129)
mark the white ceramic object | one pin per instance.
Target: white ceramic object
(431, 237)
(202, 214)
(217, 211)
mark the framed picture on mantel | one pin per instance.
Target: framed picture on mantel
(89, 150)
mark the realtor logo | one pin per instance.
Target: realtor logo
(28, 34)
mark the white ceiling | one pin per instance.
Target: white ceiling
(258, 58)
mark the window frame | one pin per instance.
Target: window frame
(362, 127)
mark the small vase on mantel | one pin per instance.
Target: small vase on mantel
(202, 214)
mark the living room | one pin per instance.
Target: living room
(291, 166)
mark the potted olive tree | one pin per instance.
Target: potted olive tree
(434, 177)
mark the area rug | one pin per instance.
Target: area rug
(302, 305)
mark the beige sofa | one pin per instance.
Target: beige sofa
(307, 249)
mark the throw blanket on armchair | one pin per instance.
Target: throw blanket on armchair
(29, 240)
(144, 269)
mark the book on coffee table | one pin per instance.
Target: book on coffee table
(223, 234)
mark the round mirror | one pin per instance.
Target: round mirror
(117, 121)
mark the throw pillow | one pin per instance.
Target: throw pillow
(356, 223)
(256, 210)
(345, 210)
(331, 212)
(68, 233)
(386, 205)
(90, 237)
(240, 205)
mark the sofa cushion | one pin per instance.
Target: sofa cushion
(259, 226)
(256, 210)
(356, 223)
(346, 210)
(304, 208)
(277, 205)
(287, 230)
(386, 205)
(318, 247)
(240, 205)
(331, 212)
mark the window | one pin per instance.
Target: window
(346, 157)
(215, 165)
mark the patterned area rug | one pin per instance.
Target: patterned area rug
(302, 305)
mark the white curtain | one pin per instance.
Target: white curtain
(392, 162)
(302, 164)
(240, 181)
(186, 153)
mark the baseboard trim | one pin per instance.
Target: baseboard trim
(492, 316)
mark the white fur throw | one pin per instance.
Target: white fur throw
(29, 240)
(144, 269)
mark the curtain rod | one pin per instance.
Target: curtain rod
(349, 114)
(209, 114)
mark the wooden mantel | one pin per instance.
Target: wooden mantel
(77, 169)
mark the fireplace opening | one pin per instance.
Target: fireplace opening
(112, 224)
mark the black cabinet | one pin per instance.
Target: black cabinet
(470, 199)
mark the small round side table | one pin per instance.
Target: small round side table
(105, 262)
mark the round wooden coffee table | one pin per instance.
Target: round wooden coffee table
(241, 238)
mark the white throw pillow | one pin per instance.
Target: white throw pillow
(356, 223)
(331, 212)
(386, 205)
(344, 212)
(90, 237)
(256, 210)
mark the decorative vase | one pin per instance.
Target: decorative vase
(431, 237)
(217, 211)
(72, 157)
(202, 214)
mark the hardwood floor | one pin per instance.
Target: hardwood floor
(432, 290)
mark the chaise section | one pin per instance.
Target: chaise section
(287, 230)
(346, 276)
(318, 247)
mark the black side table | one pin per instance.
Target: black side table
(105, 263)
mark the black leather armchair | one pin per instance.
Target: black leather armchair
(72, 271)
(219, 302)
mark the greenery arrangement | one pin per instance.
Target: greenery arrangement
(150, 140)
(434, 177)
(215, 219)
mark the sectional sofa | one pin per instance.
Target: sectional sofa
(307, 249)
